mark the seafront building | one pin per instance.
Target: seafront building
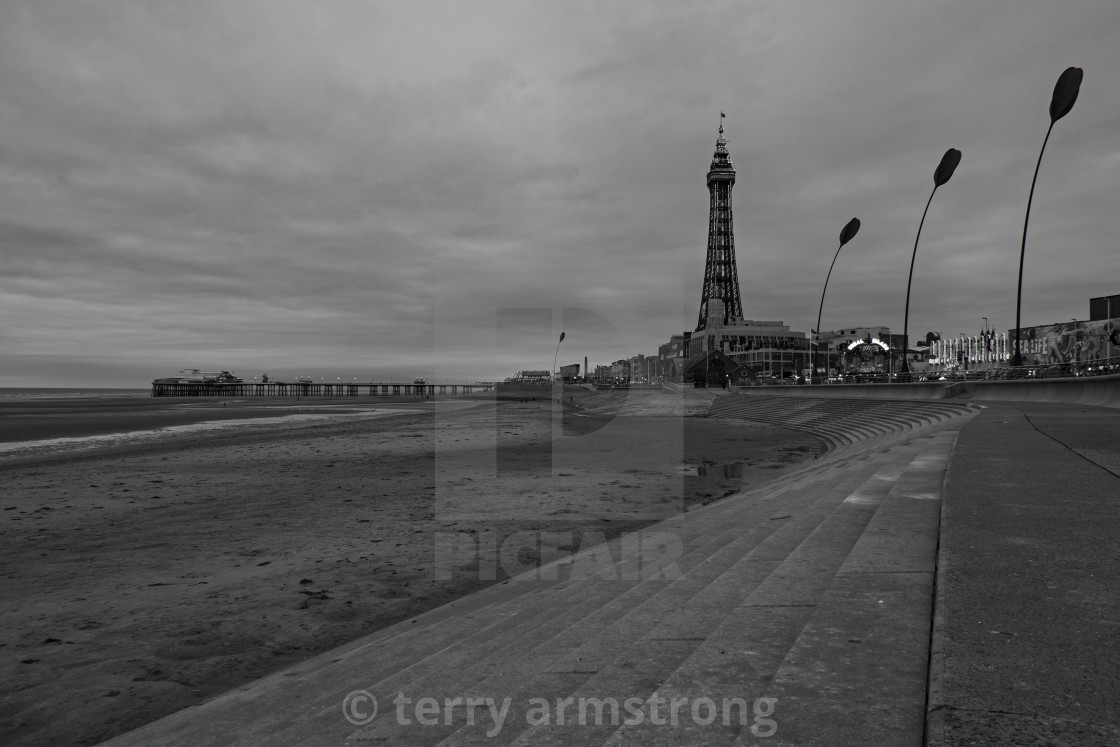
(765, 349)
(569, 372)
(1079, 344)
(620, 370)
(989, 349)
(726, 348)
(1104, 308)
(672, 357)
(852, 350)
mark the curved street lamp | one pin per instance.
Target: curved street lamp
(941, 175)
(849, 232)
(1065, 94)
(557, 353)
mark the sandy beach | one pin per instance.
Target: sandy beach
(144, 574)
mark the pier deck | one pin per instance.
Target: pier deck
(303, 389)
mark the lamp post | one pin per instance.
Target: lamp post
(846, 235)
(943, 173)
(1111, 334)
(557, 353)
(1063, 99)
(707, 358)
(986, 341)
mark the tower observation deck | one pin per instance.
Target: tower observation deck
(721, 277)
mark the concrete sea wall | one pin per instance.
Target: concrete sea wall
(1103, 391)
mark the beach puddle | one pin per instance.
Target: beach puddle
(734, 470)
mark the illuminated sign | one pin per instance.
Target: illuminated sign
(867, 356)
(874, 341)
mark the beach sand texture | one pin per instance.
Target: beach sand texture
(145, 574)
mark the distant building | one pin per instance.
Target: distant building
(989, 349)
(195, 376)
(713, 370)
(620, 370)
(569, 372)
(639, 366)
(531, 377)
(672, 358)
(1073, 342)
(1104, 307)
(836, 355)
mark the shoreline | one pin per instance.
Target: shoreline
(149, 579)
(30, 419)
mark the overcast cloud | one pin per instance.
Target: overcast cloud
(375, 189)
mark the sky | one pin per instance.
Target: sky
(381, 190)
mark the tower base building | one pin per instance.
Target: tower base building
(764, 350)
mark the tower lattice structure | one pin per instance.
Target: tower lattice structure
(721, 276)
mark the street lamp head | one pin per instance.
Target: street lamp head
(1065, 93)
(849, 231)
(947, 166)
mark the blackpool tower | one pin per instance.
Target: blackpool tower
(721, 277)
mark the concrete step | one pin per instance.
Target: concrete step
(840, 421)
(867, 644)
(616, 626)
(892, 559)
(764, 577)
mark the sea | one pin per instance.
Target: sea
(18, 448)
(69, 393)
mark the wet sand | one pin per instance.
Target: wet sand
(142, 578)
(50, 418)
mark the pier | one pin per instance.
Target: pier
(308, 389)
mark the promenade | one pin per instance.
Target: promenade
(1027, 635)
(943, 575)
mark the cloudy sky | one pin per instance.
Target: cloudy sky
(389, 189)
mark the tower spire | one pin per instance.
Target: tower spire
(721, 276)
